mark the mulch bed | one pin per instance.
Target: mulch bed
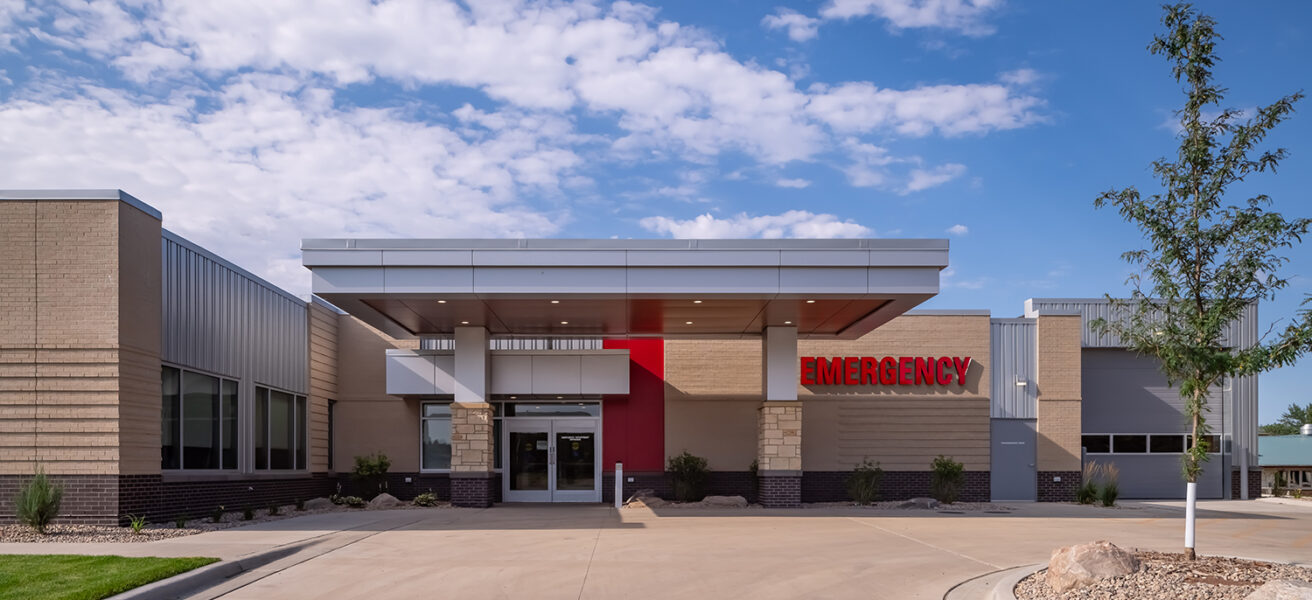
(1168, 576)
(160, 531)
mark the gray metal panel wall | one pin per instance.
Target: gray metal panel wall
(1015, 358)
(1240, 334)
(220, 318)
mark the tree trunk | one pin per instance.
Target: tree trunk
(1191, 496)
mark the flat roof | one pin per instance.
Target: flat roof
(700, 288)
(81, 194)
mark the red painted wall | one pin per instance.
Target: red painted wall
(633, 426)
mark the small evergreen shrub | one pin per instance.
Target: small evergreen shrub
(37, 502)
(300, 504)
(217, 515)
(247, 513)
(180, 522)
(426, 499)
(371, 471)
(863, 484)
(946, 478)
(689, 474)
(273, 509)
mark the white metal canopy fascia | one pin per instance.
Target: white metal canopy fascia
(671, 288)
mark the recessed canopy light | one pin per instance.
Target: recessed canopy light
(464, 322)
(441, 301)
(564, 322)
(696, 301)
(687, 322)
(560, 397)
(555, 301)
(788, 322)
(513, 397)
(810, 301)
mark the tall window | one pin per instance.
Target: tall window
(198, 421)
(280, 421)
(435, 433)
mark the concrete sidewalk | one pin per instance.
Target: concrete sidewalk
(592, 551)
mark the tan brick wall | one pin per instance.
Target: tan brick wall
(139, 306)
(779, 441)
(471, 437)
(323, 330)
(60, 363)
(1058, 381)
(368, 419)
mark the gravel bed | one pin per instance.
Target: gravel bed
(160, 531)
(955, 507)
(1167, 576)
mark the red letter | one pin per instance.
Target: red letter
(869, 370)
(822, 371)
(944, 377)
(808, 370)
(888, 370)
(924, 371)
(963, 365)
(904, 367)
(829, 372)
(851, 366)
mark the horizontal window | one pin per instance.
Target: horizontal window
(1097, 444)
(1213, 443)
(1166, 444)
(1129, 444)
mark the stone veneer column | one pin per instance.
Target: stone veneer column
(471, 455)
(779, 454)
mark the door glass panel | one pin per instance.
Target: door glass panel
(576, 461)
(528, 460)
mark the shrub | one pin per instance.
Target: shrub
(945, 479)
(247, 513)
(863, 483)
(217, 515)
(1088, 490)
(300, 504)
(1278, 484)
(351, 501)
(37, 502)
(689, 473)
(371, 471)
(1110, 488)
(181, 522)
(426, 499)
(1297, 494)
(138, 523)
(273, 509)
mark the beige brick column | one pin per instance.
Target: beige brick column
(779, 453)
(1059, 404)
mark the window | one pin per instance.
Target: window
(435, 433)
(1166, 444)
(280, 438)
(1129, 444)
(198, 420)
(331, 404)
(1213, 443)
(1096, 444)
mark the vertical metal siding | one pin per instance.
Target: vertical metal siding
(221, 319)
(1014, 351)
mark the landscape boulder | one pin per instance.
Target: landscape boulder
(725, 501)
(318, 504)
(1082, 564)
(1282, 589)
(384, 500)
(644, 498)
(919, 503)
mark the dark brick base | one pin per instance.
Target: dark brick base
(1254, 483)
(780, 491)
(1058, 491)
(475, 492)
(831, 486)
(88, 499)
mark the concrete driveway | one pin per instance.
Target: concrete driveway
(563, 551)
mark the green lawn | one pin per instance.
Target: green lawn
(72, 577)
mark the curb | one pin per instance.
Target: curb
(996, 585)
(184, 584)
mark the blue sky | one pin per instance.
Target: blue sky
(993, 123)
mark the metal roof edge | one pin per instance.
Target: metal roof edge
(948, 312)
(82, 194)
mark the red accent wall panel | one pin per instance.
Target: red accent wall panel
(633, 426)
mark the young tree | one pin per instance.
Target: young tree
(1206, 259)
(1294, 418)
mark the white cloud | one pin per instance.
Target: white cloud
(800, 27)
(923, 179)
(948, 109)
(1020, 77)
(966, 16)
(958, 229)
(793, 183)
(791, 224)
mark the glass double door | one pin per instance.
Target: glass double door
(551, 460)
